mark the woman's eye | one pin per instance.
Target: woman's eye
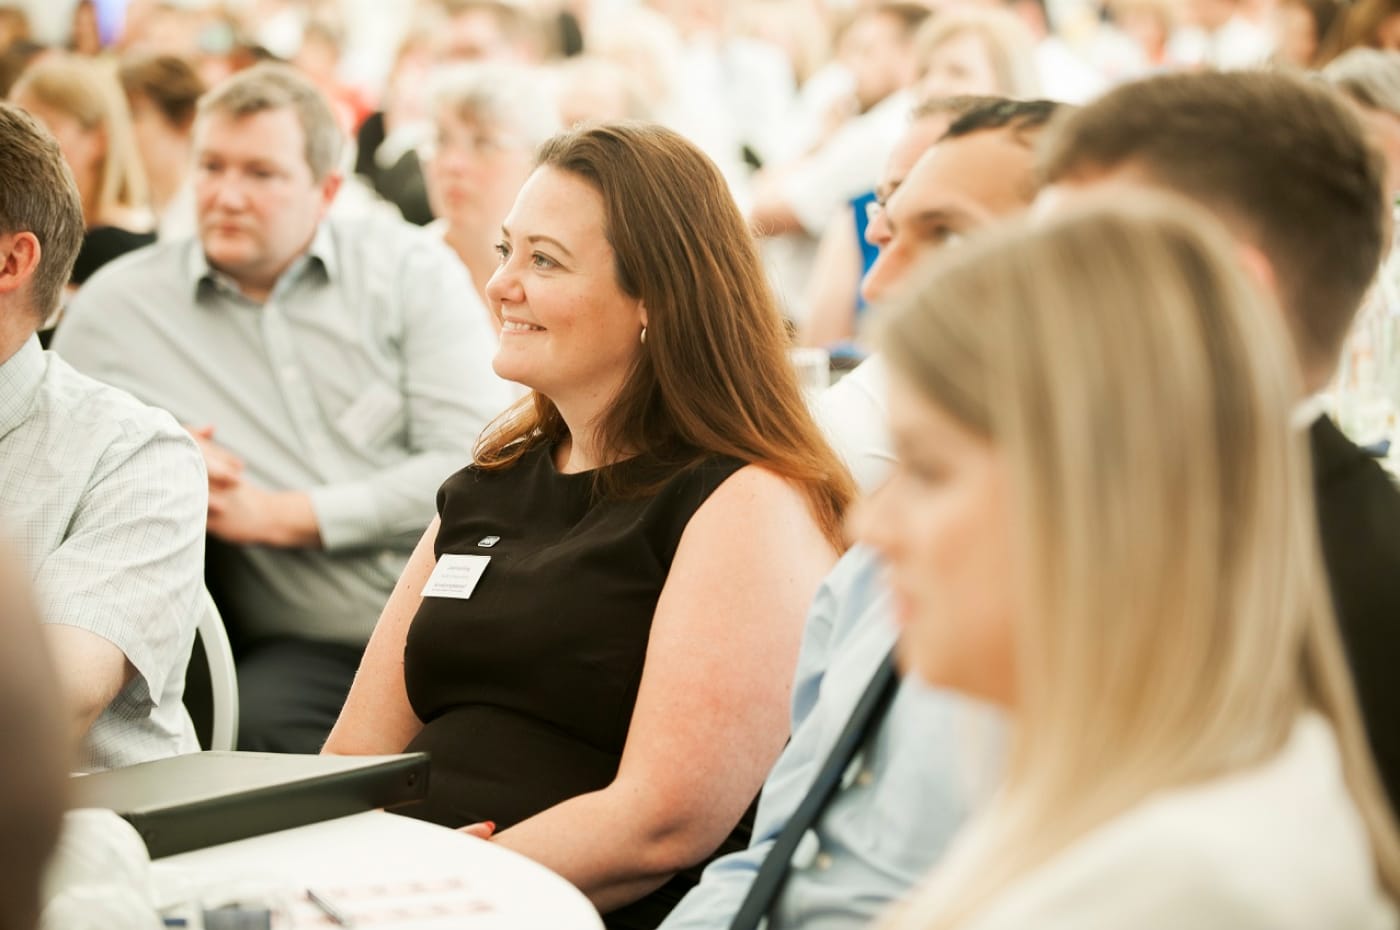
(543, 262)
(502, 251)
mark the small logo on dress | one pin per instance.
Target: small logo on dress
(488, 542)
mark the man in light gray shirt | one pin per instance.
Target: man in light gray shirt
(103, 497)
(333, 370)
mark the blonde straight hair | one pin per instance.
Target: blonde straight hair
(90, 93)
(1181, 619)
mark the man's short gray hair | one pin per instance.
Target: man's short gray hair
(271, 86)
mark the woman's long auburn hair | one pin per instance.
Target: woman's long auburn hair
(1174, 617)
(713, 376)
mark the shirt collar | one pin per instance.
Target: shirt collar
(1306, 413)
(20, 377)
(321, 252)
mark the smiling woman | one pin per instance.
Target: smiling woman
(649, 525)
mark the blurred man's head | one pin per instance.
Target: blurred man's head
(489, 30)
(981, 170)
(41, 226)
(881, 49)
(267, 146)
(1282, 161)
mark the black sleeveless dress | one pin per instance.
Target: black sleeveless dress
(526, 689)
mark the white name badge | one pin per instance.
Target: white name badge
(370, 414)
(456, 576)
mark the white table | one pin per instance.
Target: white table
(382, 871)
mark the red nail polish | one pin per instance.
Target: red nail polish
(490, 826)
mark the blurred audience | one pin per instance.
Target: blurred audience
(319, 57)
(591, 88)
(799, 198)
(1366, 24)
(490, 30)
(14, 25)
(960, 52)
(1302, 29)
(105, 495)
(447, 32)
(386, 143)
(663, 414)
(1219, 34)
(15, 58)
(487, 122)
(1149, 24)
(973, 52)
(333, 369)
(162, 91)
(1184, 747)
(80, 102)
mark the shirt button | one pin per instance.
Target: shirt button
(822, 862)
(866, 778)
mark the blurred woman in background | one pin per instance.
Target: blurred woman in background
(1366, 24)
(488, 119)
(81, 103)
(960, 52)
(161, 92)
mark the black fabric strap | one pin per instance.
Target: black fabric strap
(869, 710)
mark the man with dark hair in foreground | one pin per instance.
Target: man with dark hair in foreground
(1285, 165)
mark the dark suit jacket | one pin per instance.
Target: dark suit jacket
(1359, 515)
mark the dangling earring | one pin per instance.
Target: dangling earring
(644, 335)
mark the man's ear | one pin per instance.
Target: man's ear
(19, 259)
(1258, 267)
(330, 186)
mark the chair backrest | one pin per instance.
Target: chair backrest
(216, 674)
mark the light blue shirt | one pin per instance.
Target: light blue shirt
(363, 380)
(905, 795)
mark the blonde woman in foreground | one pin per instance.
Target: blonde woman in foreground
(1102, 521)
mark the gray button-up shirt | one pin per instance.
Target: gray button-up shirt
(105, 498)
(364, 381)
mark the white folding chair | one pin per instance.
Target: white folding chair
(223, 680)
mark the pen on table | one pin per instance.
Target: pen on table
(327, 908)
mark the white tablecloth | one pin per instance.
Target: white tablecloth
(382, 871)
